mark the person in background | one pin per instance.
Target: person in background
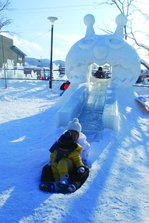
(75, 128)
(64, 87)
(99, 73)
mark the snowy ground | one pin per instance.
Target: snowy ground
(117, 189)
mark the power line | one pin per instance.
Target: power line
(40, 35)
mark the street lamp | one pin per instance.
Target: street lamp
(52, 19)
(3, 61)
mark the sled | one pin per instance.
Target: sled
(140, 85)
(47, 180)
(143, 103)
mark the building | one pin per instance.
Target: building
(10, 52)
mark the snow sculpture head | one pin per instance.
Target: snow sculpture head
(89, 21)
(101, 49)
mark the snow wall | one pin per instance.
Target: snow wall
(100, 49)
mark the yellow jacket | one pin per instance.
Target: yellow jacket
(65, 162)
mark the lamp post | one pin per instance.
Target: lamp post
(52, 19)
(3, 61)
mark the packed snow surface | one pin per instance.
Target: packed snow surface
(117, 189)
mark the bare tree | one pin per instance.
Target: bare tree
(125, 7)
(128, 8)
(4, 6)
(143, 46)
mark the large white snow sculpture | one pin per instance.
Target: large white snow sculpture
(101, 49)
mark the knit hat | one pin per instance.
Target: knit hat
(75, 125)
(66, 141)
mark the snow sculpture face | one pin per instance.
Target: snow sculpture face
(101, 49)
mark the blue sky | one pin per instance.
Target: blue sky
(32, 29)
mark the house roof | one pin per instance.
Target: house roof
(17, 50)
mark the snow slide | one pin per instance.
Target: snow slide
(92, 104)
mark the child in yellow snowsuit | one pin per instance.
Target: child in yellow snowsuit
(65, 155)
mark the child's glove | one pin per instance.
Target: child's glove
(81, 169)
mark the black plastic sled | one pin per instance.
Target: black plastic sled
(47, 181)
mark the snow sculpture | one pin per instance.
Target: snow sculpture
(101, 49)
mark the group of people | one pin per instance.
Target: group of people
(68, 154)
(98, 74)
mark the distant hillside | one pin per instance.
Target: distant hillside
(29, 61)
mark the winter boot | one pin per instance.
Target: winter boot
(63, 180)
(71, 188)
(48, 187)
